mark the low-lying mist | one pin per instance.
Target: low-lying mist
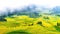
(31, 10)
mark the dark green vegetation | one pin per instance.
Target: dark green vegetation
(19, 32)
(46, 17)
(57, 28)
(30, 24)
(39, 23)
(58, 24)
(2, 19)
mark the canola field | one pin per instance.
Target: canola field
(45, 24)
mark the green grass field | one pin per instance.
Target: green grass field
(26, 25)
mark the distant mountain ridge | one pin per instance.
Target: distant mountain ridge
(56, 10)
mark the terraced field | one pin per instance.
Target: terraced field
(26, 25)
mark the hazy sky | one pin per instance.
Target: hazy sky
(19, 3)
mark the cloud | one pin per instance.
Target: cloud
(19, 3)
